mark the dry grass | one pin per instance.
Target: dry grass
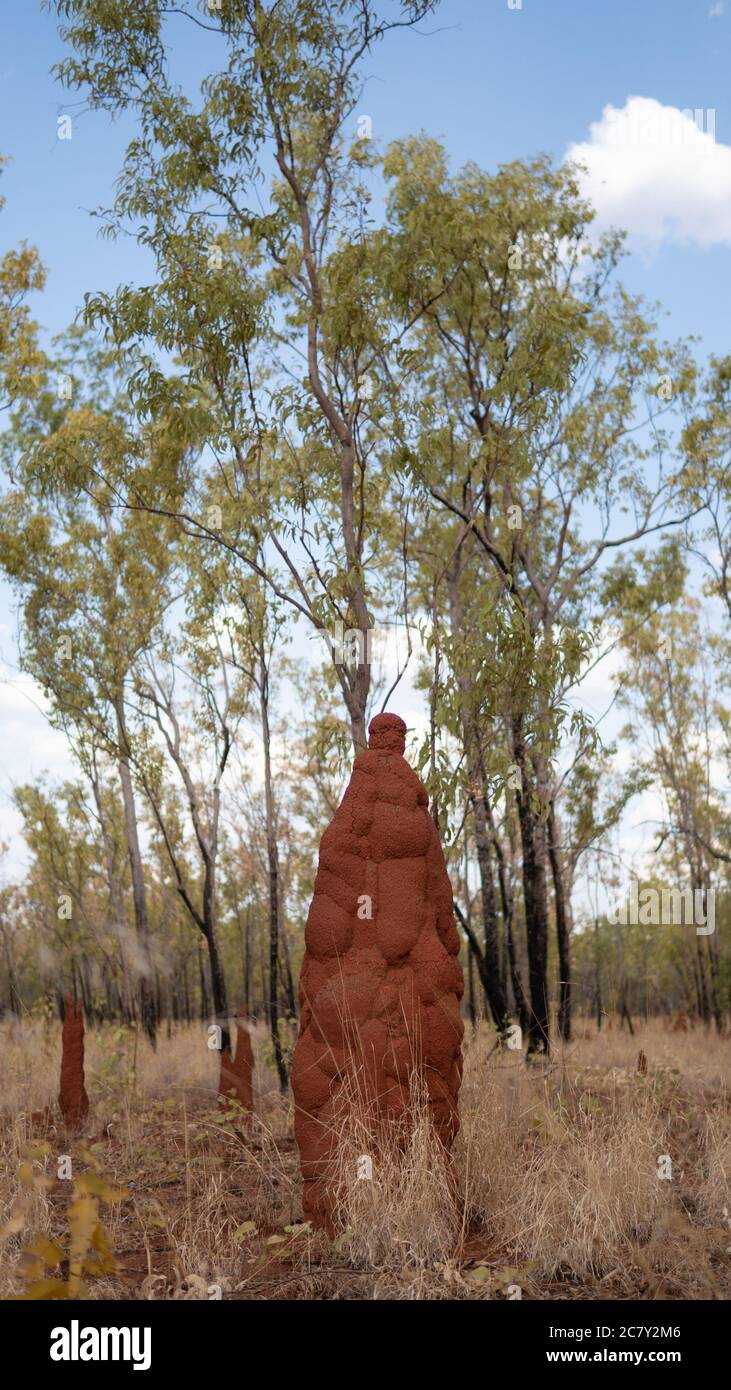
(562, 1171)
(557, 1175)
(398, 1204)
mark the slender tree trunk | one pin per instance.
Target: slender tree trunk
(249, 964)
(288, 978)
(209, 924)
(597, 978)
(506, 898)
(707, 1000)
(704, 1005)
(218, 983)
(470, 959)
(534, 895)
(85, 984)
(491, 974)
(108, 992)
(116, 892)
(242, 956)
(186, 993)
(263, 974)
(139, 896)
(204, 1005)
(562, 925)
(13, 995)
(624, 1013)
(273, 863)
(357, 684)
(471, 986)
(715, 977)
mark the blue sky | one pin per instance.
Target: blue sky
(495, 84)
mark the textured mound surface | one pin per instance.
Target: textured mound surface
(236, 1075)
(72, 1097)
(380, 984)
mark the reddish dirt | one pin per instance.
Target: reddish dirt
(72, 1097)
(236, 1075)
(380, 984)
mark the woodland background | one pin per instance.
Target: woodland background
(366, 406)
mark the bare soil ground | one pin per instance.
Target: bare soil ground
(585, 1179)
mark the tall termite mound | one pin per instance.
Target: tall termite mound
(236, 1075)
(72, 1096)
(380, 984)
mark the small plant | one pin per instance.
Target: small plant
(287, 1033)
(116, 1080)
(235, 1085)
(84, 1252)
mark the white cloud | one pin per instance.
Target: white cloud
(717, 10)
(28, 748)
(659, 173)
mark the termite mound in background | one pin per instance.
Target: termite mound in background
(72, 1097)
(380, 984)
(235, 1081)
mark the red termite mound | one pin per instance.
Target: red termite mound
(235, 1078)
(380, 984)
(72, 1097)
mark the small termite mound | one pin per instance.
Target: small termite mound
(72, 1097)
(236, 1076)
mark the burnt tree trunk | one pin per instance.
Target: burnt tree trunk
(489, 956)
(471, 986)
(597, 978)
(273, 866)
(288, 977)
(13, 995)
(491, 977)
(535, 899)
(562, 926)
(506, 898)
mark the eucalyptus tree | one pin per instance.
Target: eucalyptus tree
(253, 627)
(10, 919)
(21, 358)
(190, 704)
(464, 705)
(68, 891)
(548, 443)
(92, 583)
(252, 201)
(707, 476)
(679, 719)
